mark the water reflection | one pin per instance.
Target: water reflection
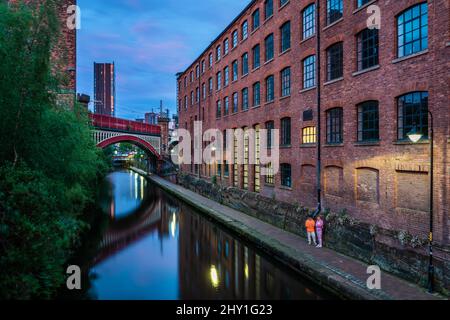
(156, 247)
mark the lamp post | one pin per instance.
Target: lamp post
(415, 135)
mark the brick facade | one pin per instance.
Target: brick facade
(385, 182)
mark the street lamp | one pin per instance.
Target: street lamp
(415, 135)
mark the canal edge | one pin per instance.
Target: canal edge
(341, 284)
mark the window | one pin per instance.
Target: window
(197, 94)
(335, 61)
(203, 66)
(244, 30)
(197, 72)
(226, 169)
(218, 53)
(235, 38)
(226, 46)
(226, 106)
(412, 30)
(283, 2)
(286, 180)
(309, 135)
(255, 20)
(186, 101)
(245, 64)
(226, 76)
(309, 21)
(270, 90)
(185, 82)
(245, 99)
(270, 126)
(269, 47)
(235, 70)
(204, 90)
(268, 9)
(368, 129)
(362, 2)
(335, 10)
(218, 80)
(235, 102)
(367, 49)
(192, 76)
(256, 94)
(285, 31)
(256, 56)
(335, 126)
(210, 85)
(210, 60)
(218, 109)
(192, 98)
(286, 82)
(270, 178)
(309, 72)
(413, 113)
(286, 132)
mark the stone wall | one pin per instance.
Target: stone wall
(396, 252)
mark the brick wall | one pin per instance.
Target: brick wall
(385, 182)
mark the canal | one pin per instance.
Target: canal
(154, 247)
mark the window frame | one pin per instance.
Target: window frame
(285, 36)
(419, 114)
(286, 132)
(268, 9)
(309, 72)
(285, 77)
(309, 135)
(256, 49)
(368, 121)
(257, 94)
(269, 48)
(368, 50)
(256, 17)
(335, 69)
(270, 88)
(286, 175)
(401, 34)
(332, 18)
(309, 21)
(335, 126)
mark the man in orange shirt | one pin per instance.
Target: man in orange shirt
(311, 230)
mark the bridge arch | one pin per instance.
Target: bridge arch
(144, 145)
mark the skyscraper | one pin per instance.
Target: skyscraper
(105, 89)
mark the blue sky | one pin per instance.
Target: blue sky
(150, 41)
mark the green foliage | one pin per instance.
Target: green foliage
(49, 166)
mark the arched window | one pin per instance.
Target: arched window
(412, 113)
(268, 9)
(309, 21)
(285, 32)
(368, 121)
(286, 175)
(335, 126)
(412, 30)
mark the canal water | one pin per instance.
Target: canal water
(154, 247)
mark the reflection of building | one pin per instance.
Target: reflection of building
(105, 89)
(217, 266)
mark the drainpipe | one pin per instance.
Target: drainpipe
(200, 92)
(319, 125)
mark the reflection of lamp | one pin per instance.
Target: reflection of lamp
(415, 135)
(173, 225)
(246, 271)
(214, 277)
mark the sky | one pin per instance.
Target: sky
(149, 41)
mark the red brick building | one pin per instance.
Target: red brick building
(65, 53)
(375, 86)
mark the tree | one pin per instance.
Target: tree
(49, 166)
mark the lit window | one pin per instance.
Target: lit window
(270, 178)
(218, 53)
(309, 135)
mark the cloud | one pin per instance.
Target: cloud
(150, 41)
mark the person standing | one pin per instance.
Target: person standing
(319, 231)
(310, 229)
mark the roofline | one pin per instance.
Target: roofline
(252, 2)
